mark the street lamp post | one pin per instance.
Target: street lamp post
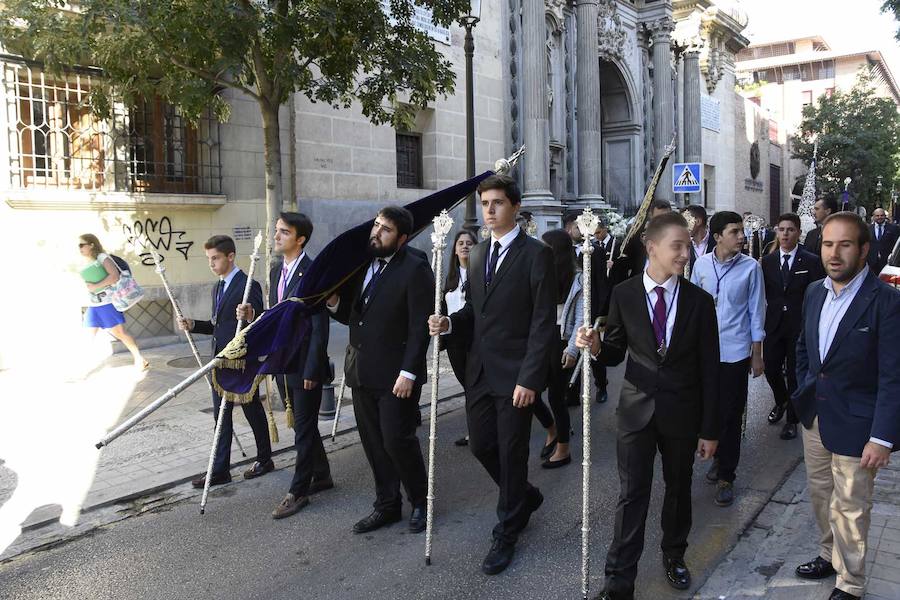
(469, 21)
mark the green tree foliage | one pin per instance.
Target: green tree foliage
(339, 52)
(892, 6)
(859, 137)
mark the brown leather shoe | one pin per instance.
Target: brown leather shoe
(291, 505)
(258, 469)
(216, 480)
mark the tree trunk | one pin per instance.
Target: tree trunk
(272, 142)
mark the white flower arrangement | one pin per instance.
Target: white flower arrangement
(616, 223)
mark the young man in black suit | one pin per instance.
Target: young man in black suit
(884, 237)
(786, 275)
(702, 242)
(510, 314)
(226, 296)
(600, 292)
(822, 209)
(386, 304)
(667, 326)
(302, 384)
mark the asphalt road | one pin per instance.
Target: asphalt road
(237, 551)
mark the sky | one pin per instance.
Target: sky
(845, 24)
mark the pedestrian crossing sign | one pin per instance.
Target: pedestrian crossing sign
(687, 178)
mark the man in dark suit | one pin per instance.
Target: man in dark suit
(848, 399)
(386, 304)
(822, 209)
(226, 295)
(701, 240)
(599, 300)
(510, 312)
(786, 275)
(301, 386)
(633, 259)
(884, 237)
(667, 326)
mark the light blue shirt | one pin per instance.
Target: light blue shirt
(737, 287)
(834, 309)
(227, 279)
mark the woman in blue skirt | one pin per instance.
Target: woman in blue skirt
(100, 273)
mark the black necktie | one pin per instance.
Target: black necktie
(370, 288)
(220, 290)
(492, 266)
(786, 270)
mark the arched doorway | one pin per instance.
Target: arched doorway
(620, 132)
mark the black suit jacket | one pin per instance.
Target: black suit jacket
(855, 391)
(880, 250)
(682, 389)
(311, 359)
(710, 246)
(785, 305)
(223, 323)
(512, 324)
(390, 333)
(813, 241)
(600, 289)
(630, 263)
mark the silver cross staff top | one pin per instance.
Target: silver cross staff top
(587, 224)
(754, 223)
(442, 225)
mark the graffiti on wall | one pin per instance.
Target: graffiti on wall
(156, 234)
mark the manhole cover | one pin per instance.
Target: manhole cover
(187, 362)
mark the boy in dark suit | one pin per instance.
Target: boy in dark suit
(386, 304)
(786, 275)
(667, 326)
(510, 315)
(226, 296)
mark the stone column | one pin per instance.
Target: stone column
(587, 86)
(536, 196)
(691, 115)
(663, 97)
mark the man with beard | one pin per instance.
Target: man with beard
(386, 306)
(848, 399)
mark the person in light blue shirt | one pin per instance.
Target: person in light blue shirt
(735, 282)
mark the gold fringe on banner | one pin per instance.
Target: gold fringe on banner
(288, 406)
(273, 428)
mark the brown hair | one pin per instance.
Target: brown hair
(864, 236)
(452, 280)
(222, 243)
(660, 223)
(96, 246)
(502, 182)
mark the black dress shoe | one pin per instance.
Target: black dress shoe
(677, 573)
(712, 475)
(417, 520)
(376, 520)
(776, 413)
(602, 397)
(555, 464)
(215, 480)
(547, 450)
(320, 485)
(789, 431)
(837, 594)
(817, 568)
(259, 468)
(463, 441)
(499, 557)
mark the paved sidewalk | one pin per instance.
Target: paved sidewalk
(785, 535)
(50, 471)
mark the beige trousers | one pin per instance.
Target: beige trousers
(841, 495)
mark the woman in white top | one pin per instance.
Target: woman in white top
(100, 273)
(455, 287)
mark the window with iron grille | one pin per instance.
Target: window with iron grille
(55, 141)
(409, 160)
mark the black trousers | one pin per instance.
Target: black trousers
(557, 394)
(598, 369)
(635, 453)
(312, 462)
(732, 402)
(256, 417)
(387, 430)
(780, 353)
(499, 434)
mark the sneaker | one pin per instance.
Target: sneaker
(725, 494)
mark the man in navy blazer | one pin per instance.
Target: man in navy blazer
(226, 296)
(848, 399)
(787, 273)
(884, 238)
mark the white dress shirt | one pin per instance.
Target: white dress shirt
(671, 287)
(456, 299)
(505, 243)
(700, 249)
(791, 256)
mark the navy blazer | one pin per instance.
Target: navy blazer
(855, 391)
(223, 323)
(311, 359)
(880, 250)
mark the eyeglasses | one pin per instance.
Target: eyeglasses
(83, 244)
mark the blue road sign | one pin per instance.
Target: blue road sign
(687, 178)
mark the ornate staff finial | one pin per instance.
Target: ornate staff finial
(504, 165)
(587, 223)
(443, 223)
(256, 244)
